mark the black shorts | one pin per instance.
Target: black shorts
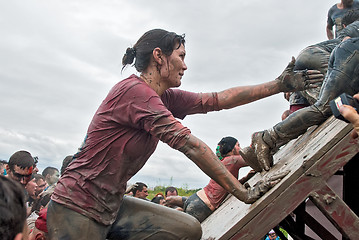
(197, 208)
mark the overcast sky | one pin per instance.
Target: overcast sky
(59, 59)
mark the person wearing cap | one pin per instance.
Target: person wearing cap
(202, 203)
(39, 232)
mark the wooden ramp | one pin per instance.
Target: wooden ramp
(312, 159)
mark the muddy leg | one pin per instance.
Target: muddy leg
(140, 219)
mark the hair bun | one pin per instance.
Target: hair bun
(129, 56)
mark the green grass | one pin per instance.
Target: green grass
(161, 189)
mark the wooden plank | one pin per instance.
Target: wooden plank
(296, 193)
(336, 210)
(237, 220)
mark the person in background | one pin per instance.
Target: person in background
(159, 199)
(40, 232)
(13, 210)
(3, 165)
(51, 175)
(38, 205)
(20, 167)
(31, 188)
(138, 112)
(140, 190)
(171, 191)
(335, 15)
(41, 183)
(67, 160)
(36, 161)
(202, 203)
(272, 235)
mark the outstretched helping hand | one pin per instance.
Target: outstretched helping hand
(291, 81)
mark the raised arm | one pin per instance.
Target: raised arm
(288, 81)
(237, 96)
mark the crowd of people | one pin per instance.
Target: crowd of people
(91, 200)
(25, 194)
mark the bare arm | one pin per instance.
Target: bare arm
(207, 161)
(288, 81)
(329, 29)
(237, 96)
(174, 201)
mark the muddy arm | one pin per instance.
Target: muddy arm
(206, 160)
(288, 81)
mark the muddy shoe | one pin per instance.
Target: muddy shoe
(250, 158)
(262, 150)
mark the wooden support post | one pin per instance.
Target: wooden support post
(335, 209)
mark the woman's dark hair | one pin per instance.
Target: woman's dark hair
(152, 39)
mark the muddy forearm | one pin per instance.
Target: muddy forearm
(237, 96)
(288, 81)
(205, 159)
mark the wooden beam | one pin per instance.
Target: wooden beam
(335, 209)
